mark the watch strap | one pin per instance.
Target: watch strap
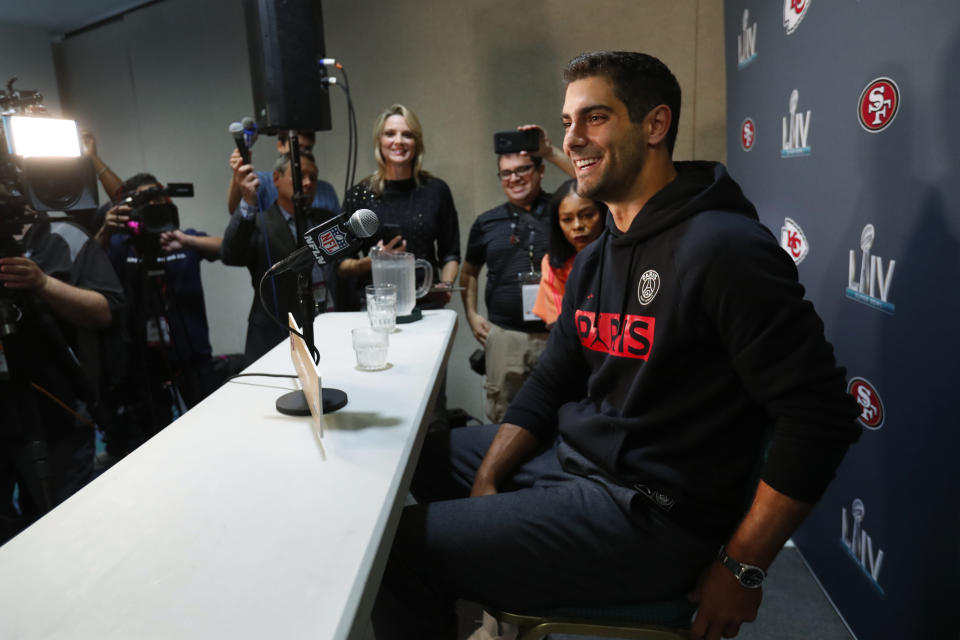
(750, 576)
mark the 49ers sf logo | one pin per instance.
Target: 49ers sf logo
(879, 103)
(748, 134)
(602, 332)
(872, 413)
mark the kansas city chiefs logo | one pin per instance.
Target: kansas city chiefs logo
(793, 13)
(793, 241)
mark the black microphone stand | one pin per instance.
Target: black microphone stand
(294, 403)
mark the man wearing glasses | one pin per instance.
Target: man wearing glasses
(510, 240)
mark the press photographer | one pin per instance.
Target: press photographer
(170, 368)
(57, 293)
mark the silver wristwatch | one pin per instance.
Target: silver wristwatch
(750, 576)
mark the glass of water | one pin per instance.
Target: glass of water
(370, 346)
(382, 306)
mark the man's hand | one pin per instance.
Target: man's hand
(117, 217)
(21, 273)
(481, 488)
(236, 161)
(546, 148)
(248, 182)
(479, 326)
(724, 604)
(547, 151)
(174, 240)
(89, 143)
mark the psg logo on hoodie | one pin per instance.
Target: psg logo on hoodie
(648, 287)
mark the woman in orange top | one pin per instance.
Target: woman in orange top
(575, 222)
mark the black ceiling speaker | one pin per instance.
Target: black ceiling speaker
(285, 42)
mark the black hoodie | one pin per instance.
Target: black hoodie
(718, 346)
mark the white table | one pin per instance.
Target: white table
(228, 523)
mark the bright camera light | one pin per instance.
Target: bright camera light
(35, 136)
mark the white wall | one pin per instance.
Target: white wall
(160, 86)
(25, 52)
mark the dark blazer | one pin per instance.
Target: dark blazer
(257, 244)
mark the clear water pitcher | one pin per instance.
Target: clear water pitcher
(399, 268)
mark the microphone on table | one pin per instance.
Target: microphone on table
(331, 238)
(236, 130)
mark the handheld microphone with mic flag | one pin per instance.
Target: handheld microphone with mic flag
(322, 242)
(249, 131)
(236, 130)
(329, 239)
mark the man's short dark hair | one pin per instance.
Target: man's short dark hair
(283, 161)
(536, 160)
(135, 182)
(639, 80)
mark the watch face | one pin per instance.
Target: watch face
(751, 577)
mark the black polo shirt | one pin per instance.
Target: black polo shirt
(490, 244)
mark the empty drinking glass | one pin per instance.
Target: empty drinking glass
(370, 346)
(382, 306)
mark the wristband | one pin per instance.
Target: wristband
(102, 171)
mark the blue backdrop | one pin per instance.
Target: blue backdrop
(843, 130)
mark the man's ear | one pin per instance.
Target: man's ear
(658, 124)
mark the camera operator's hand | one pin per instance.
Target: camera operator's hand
(110, 181)
(249, 183)
(173, 240)
(116, 218)
(21, 273)
(82, 307)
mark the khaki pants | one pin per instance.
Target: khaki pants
(510, 356)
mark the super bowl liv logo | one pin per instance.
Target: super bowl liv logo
(796, 130)
(874, 285)
(746, 42)
(859, 544)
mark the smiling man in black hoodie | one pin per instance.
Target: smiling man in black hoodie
(626, 469)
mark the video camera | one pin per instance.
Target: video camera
(151, 214)
(41, 166)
